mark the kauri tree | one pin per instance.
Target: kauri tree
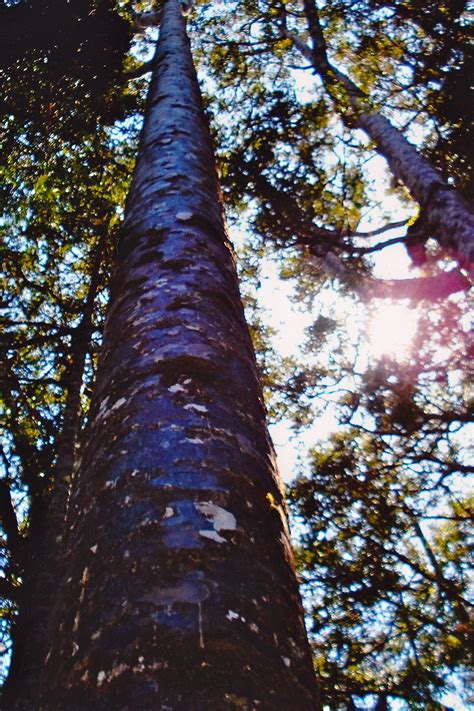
(159, 572)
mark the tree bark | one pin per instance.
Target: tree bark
(445, 214)
(179, 590)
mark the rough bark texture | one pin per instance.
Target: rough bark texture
(446, 215)
(180, 591)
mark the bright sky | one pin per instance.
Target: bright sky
(391, 329)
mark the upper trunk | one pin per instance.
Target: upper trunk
(445, 215)
(179, 590)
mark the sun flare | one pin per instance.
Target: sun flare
(391, 330)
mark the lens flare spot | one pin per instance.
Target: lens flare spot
(391, 331)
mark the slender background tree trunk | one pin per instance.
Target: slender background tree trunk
(41, 548)
(445, 214)
(179, 590)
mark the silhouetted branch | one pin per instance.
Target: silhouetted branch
(381, 230)
(430, 288)
(143, 20)
(139, 71)
(8, 518)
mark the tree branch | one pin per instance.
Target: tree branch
(381, 230)
(143, 20)
(380, 245)
(432, 288)
(8, 519)
(139, 71)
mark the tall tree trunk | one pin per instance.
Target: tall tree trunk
(42, 547)
(445, 215)
(179, 590)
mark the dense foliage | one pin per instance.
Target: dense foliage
(383, 505)
(385, 512)
(64, 177)
(61, 65)
(63, 213)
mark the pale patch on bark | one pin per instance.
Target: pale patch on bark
(221, 520)
(177, 389)
(105, 413)
(197, 408)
